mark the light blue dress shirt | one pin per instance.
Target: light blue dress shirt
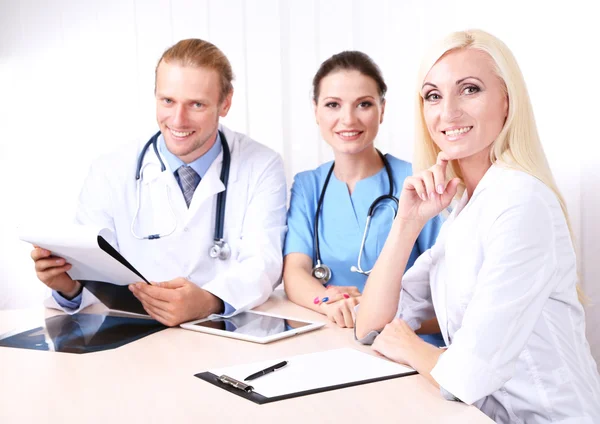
(201, 166)
(342, 221)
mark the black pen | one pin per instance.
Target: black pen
(266, 371)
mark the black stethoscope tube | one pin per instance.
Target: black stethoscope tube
(221, 197)
(390, 195)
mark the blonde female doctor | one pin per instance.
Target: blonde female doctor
(502, 275)
(162, 204)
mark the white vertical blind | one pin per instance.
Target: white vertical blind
(77, 80)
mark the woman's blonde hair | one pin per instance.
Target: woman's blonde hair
(518, 145)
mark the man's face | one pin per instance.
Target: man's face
(188, 108)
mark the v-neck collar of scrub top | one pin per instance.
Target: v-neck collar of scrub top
(341, 189)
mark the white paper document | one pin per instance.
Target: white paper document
(314, 371)
(87, 249)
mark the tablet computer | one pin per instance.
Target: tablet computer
(258, 327)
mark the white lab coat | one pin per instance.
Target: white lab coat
(501, 279)
(255, 220)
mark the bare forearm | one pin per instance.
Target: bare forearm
(302, 288)
(382, 291)
(423, 359)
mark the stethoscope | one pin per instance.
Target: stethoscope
(220, 249)
(321, 271)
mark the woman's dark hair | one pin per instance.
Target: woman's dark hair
(349, 61)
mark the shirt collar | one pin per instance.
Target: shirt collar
(200, 165)
(491, 175)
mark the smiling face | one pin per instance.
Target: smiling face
(188, 108)
(464, 103)
(348, 111)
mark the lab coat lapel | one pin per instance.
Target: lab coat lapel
(160, 194)
(211, 185)
(440, 279)
(437, 278)
(208, 187)
(167, 184)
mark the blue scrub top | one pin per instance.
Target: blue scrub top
(342, 221)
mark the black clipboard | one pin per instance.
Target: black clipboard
(261, 400)
(245, 389)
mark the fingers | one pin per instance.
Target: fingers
(450, 192)
(334, 315)
(52, 272)
(155, 291)
(343, 298)
(348, 314)
(158, 315)
(439, 173)
(335, 297)
(342, 312)
(344, 316)
(442, 159)
(47, 267)
(338, 318)
(42, 265)
(439, 178)
(173, 284)
(147, 300)
(433, 181)
(415, 183)
(39, 253)
(350, 290)
(353, 291)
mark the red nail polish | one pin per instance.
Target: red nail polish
(346, 296)
(316, 301)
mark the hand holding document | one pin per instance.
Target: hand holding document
(87, 249)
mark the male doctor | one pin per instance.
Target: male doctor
(193, 89)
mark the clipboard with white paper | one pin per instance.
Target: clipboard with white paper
(95, 263)
(305, 374)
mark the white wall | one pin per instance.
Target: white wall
(76, 80)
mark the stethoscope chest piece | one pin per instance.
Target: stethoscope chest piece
(321, 272)
(220, 250)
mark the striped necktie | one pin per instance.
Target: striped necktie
(188, 181)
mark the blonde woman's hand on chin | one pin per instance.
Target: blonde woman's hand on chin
(427, 193)
(423, 196)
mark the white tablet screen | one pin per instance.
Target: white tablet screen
(252, 324)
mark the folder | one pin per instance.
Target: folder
(96, 264)
(305, 375)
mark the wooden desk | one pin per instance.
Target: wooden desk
(152, 381)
